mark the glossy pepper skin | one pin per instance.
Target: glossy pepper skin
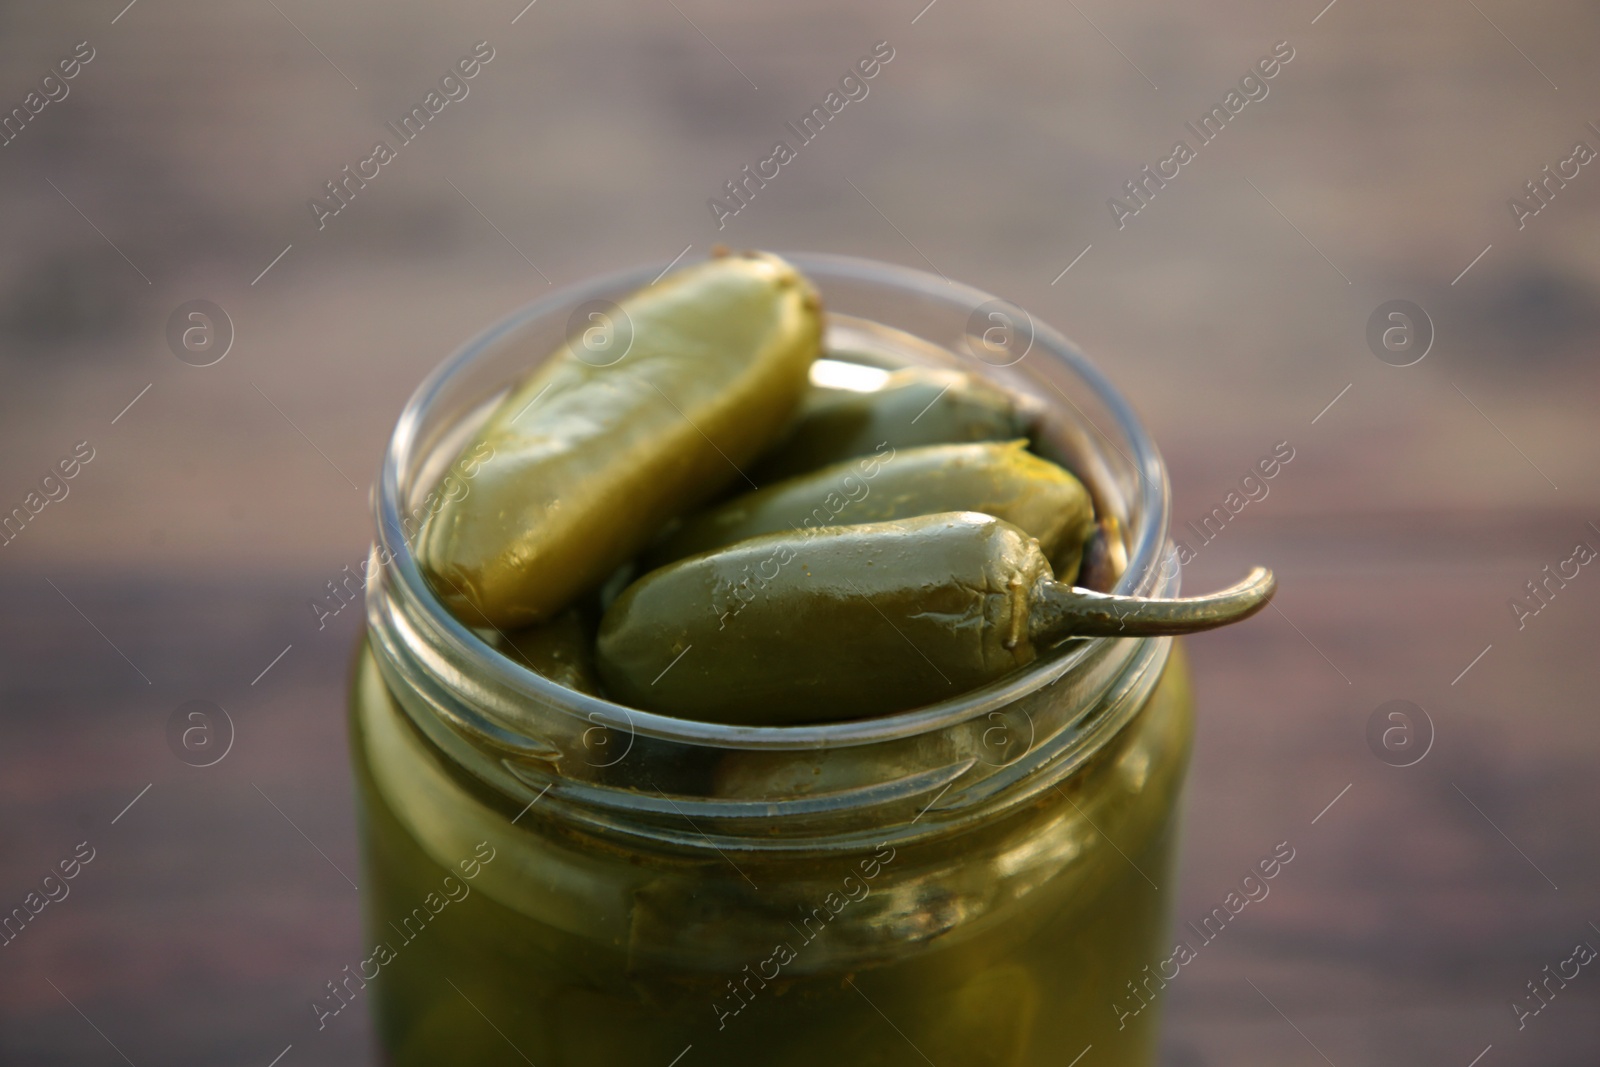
(915, 406)
(996, 478)
(843, 623)
(590, 461)
(846, 622)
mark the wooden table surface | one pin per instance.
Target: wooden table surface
(1232, 309)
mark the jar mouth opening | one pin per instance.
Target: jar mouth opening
(1146, 525)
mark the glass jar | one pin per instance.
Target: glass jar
(557, 880)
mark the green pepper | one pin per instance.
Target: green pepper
(915, 406)
(561, 650)
(847, 622)
(590, 460)
(1002, 479)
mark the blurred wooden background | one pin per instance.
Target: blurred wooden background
(1232, 310)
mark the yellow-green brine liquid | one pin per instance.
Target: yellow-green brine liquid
(498, 936)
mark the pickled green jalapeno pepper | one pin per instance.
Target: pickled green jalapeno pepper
(590, 460)
(915, 406)
(854, 621)
(1001, 479)
(561, 650)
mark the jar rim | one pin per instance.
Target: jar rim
(404, 578)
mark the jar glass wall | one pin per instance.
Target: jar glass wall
(555, 879)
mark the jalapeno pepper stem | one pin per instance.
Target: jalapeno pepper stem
(1060, 610)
